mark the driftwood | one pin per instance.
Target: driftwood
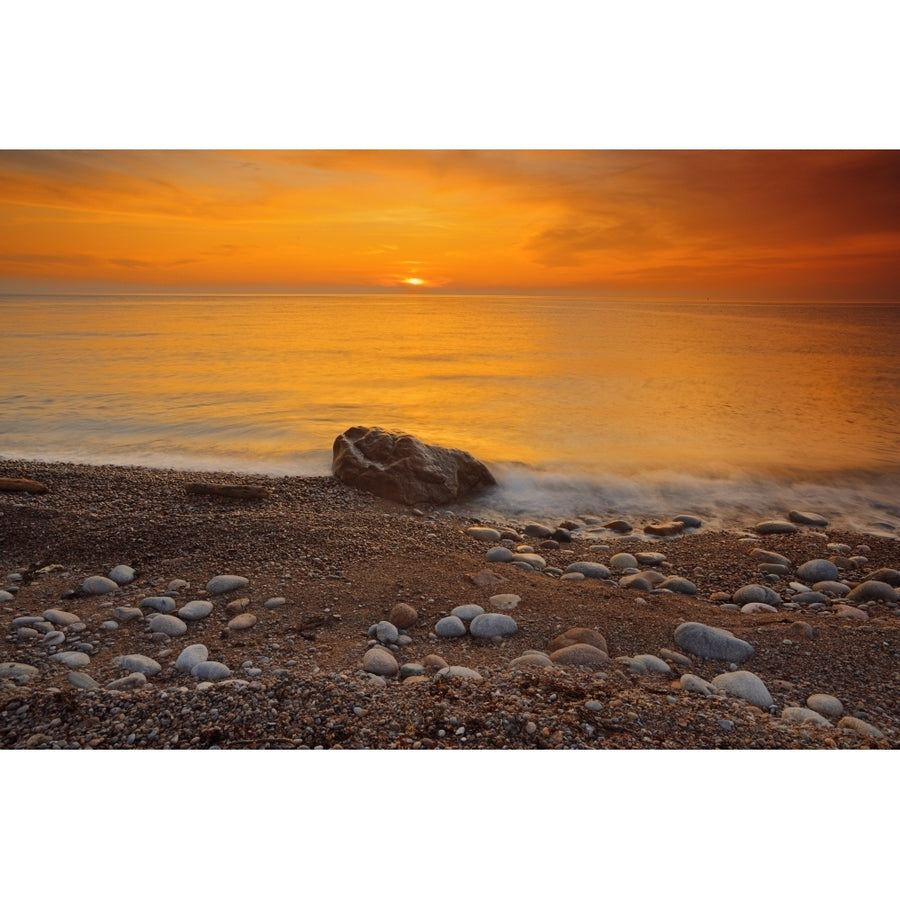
(239, 491)
(23, 484)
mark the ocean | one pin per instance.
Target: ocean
(730, 410)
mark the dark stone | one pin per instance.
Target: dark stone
(400, 467)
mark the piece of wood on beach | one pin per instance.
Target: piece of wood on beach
(23, 484)
(238, 491)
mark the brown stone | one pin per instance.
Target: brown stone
(242, 622)
(578, 636)
(400, 467)
(237, 606)
(580, 655)
(801, 631)
(664, 529)
(23, 484)
(402, 615)
(619, 526)
(434, 662)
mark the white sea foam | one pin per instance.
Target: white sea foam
(859, 501)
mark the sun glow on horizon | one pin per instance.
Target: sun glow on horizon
(759, 224)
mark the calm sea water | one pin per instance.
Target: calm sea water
(579, 405)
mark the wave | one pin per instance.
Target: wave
(860, 501)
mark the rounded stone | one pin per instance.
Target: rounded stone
(694, 684)
(803, 716)
(450, 626)
(122, 575)
(531, 559)
(380, 661)
(170, 625)
(835, 588)
(775, 526)
(128, 682)
(746, 686)
(650, 559)
(868, 590)
(751, 608)
(160, 604)
(137, 662)
(647, 662)
(210, 671)
(769, 556)
(825, 705)
(623, 561)
(275, 602)
(489, 625)
(483, 534)
(580, 655)
(191, 656)
(688, 521)
(18, 673)
(467, 611)
(842, 611)
(82, 680)
(499, 554)
(60, 617)
(98, 584)
(678, 585)
(756, 593)
(222, 584)
(861, 727)
(888, 576)
(578, 636)
(528, 660)
(123, 614)
(588, 569)
(72, 658)
(461, 672)
(402, 615)
(434, 662)
(818, 570)
(242, 622)
(636, 582)
(386, 632)
(408, 670)
(535, 529)
(194, 610)
(505, 601)
(709, 642)
(807, 518)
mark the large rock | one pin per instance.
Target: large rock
(711, 643)
(400, 467)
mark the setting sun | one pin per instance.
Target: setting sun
(416, 282)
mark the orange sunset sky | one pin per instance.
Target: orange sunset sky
(720, 224)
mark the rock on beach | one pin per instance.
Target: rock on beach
(745, 685)
(489, 625)
(222, 584)
(711, 643)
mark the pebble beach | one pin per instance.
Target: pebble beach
(138, 614)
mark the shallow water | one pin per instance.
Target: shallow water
(580, 405)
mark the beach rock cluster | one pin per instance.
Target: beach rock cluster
(349, 625)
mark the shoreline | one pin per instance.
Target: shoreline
(342, 560)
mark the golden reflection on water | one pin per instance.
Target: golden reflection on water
(567, 385)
